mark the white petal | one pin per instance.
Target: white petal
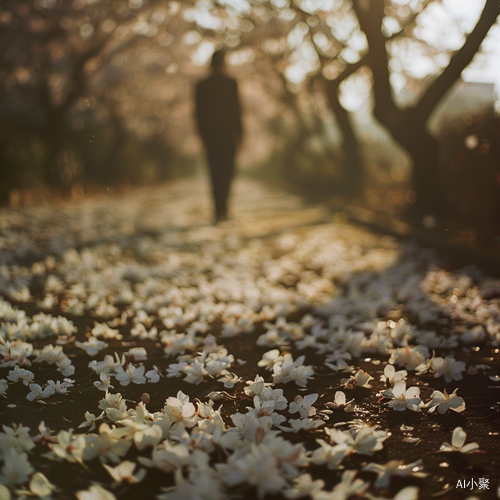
(310, 399)
(408, 493)
(458, 437)
(468, 448)
(340, 398)
(399, 389)
(4, 492)
(40, 485)
(95, 492)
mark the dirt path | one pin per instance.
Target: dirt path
(285, 291)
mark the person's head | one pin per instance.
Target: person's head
(218, 62)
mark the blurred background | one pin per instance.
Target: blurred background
(394, 104)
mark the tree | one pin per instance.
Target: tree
(135, 61)
(408, 125)
(55, 51)
(329, 41)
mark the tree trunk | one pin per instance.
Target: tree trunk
(113, 168)
(427, 183)
(408, 128)
(52, 135)
(353, 169)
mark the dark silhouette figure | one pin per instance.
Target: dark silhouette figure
(218, 116)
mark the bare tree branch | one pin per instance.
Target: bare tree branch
(370, 16)
(459, 61)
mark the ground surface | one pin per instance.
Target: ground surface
(214, 308)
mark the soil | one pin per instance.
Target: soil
(480, 420)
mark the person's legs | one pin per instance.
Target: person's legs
(221, 163)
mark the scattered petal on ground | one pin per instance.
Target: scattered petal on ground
(273, 355)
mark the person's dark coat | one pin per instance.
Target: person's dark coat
(218, 112)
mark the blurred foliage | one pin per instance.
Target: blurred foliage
(20, 159)
(104, 84)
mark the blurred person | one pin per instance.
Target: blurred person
(218, 117)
